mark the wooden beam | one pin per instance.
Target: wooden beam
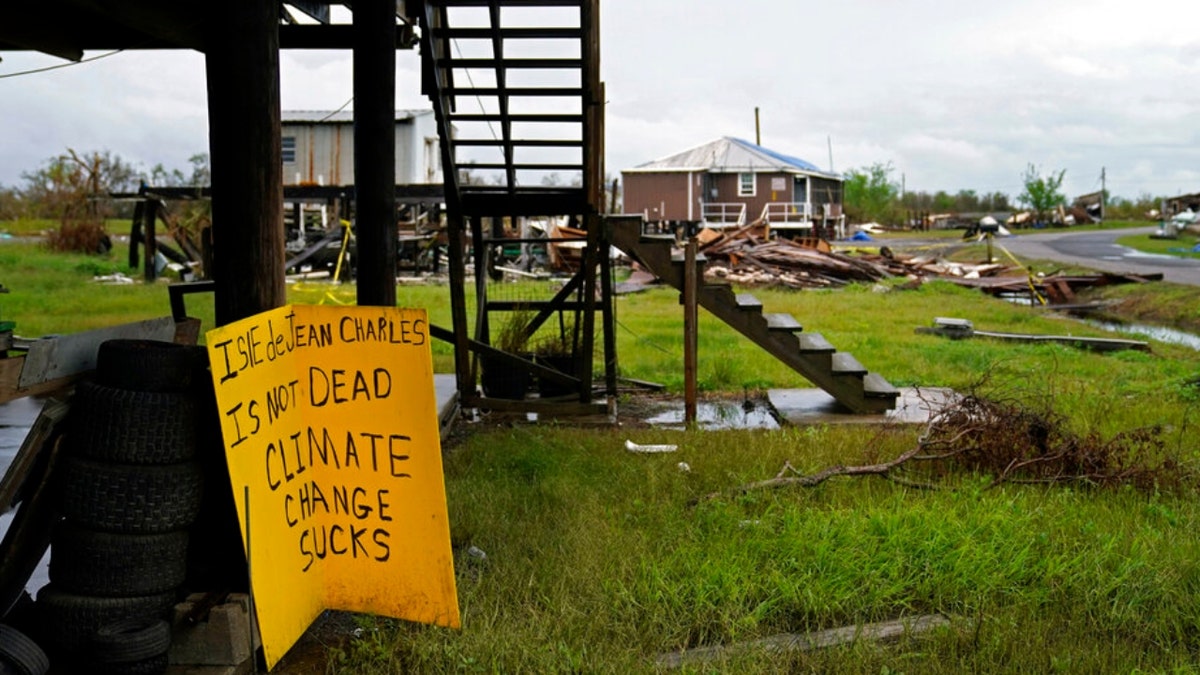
(375, 149)
(242, 68)
(149, 238)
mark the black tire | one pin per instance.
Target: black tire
(148, 365)
(70, 621)
(132, 427)
(130, 499)
(105, 564)
(20, 653)
(131, 640)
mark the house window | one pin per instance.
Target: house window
(745, 185)
(289, 149)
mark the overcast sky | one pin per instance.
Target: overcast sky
(956, 95)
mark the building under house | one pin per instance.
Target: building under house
(318, 147)
(730, 182)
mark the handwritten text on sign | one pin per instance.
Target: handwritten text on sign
(329, 418)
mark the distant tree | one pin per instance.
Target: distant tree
(201, 170)
(871, 194)
(73, 188)
(11, 205)
(943, 202)
(966, 201)
(1042, 193)
(994, 201)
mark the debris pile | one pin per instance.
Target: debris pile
(746, 256)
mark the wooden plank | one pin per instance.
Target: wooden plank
(15, 480)
(28, 535)
(879, 632)
(70, 355)
(845, 364)
(10, 373)
(782, 322)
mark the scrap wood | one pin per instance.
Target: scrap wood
(884, 631)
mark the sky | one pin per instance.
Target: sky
(954, 95)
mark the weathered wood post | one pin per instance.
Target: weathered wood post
(242, 69)
(150, 239)
(690, 328)
(375, 149)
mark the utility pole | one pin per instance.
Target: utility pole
(1102, 194)
(757, 128)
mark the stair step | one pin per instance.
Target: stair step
(875, 386)
(783, 322)
(522, 33)
(506, 3)
(515, 92)
(497, 117)
(748, 302)
(677, 258)
(492, 64)
(657, 239)
(519, 142)
(815, 343)
(527, 167)
(845, 364)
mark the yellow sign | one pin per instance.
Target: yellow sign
(330, 422)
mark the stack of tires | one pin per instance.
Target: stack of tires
(130, 489)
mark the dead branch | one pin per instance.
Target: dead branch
(1014, 444)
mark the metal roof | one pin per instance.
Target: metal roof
(732, 155)
(340, 116)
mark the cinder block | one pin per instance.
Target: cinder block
(222, 639)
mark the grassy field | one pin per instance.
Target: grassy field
(598, 560)
(1181, 247)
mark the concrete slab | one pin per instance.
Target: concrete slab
(445, 391)
(815, 406)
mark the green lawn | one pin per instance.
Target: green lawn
(1182, 247)
(599, 560)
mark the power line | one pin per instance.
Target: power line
(343, 107)
(60, 65)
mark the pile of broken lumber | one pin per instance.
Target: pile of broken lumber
(746, 256)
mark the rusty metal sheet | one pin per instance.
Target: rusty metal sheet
(53, 358)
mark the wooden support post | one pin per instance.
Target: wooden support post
(375, 149)
(150, 238)
(591, 263)
(242, 70)
(456, 264)
(608, 315)
(690, 331)
(135, 234)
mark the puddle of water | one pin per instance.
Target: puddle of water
(718, 415)
(1169, 335)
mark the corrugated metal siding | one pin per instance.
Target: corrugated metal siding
(325, 153)
(661, 196)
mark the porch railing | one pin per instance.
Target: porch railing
(719, 215)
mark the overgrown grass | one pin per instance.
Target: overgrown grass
(597, 561)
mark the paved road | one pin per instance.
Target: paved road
(1098, 251)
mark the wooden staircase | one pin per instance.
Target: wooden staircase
(810, 354)
(516, 90)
